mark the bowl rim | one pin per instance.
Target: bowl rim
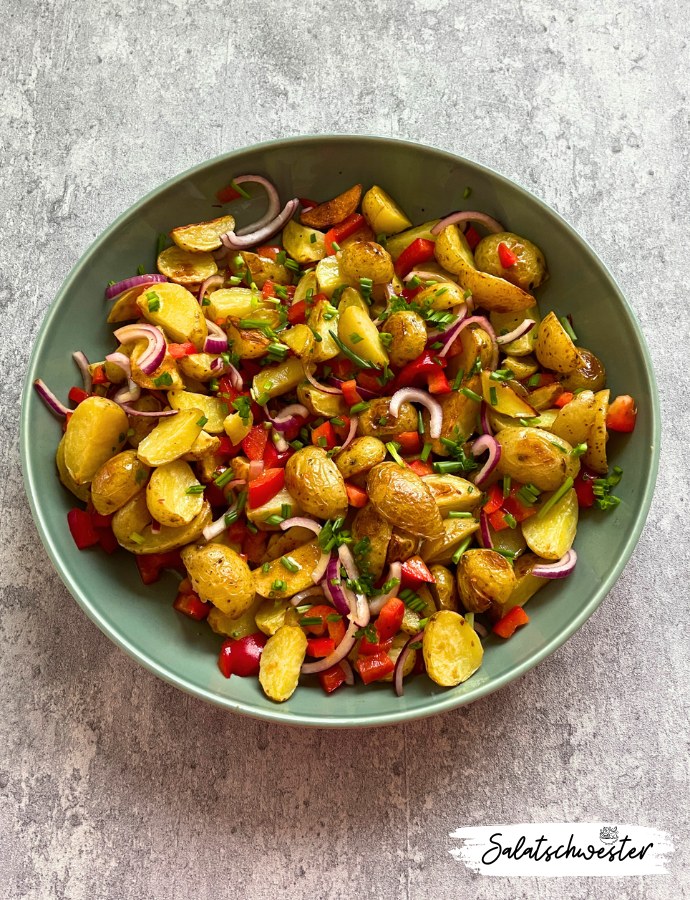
(438, 703)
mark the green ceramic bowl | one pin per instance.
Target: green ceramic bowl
(428, 183)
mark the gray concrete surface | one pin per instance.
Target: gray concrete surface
(113, 784)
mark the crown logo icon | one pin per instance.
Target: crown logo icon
(609, 834)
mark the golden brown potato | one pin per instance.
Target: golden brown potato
(323, 319)
(220, 576)
(590, 373)
(382, 212)
(452, 650)
(184, 267)
(408, 336)
(551, 535)
(359, 334)
(259, 269)
(167, 497)
(171, 438)
(445, 590)
(142, 425)
(504, 323)
(125, 308)
(402, 546)
(403, 498)
(281, 662)
(352, 297)
(394, 652)
(370, 421)
(278, 379)
(80, 491)
(399, 242)
(543, 420)
(441, 295)
(511, 397)
(204, 446)
(285, 542)
(300, 340)
(198, 366)
(152, 381)
(459, 415)
(204, 236)
(96, 431)
(235, 628)
(574, 421)
(475, 343)
(595, 457)
(305, 558)
(176, 311)
(441, 549)
(271, 616)
(544, 397)
(527, 273)
(315, 482)
(330, 275)
(521, 366)
(554, 348)
(235, 303)
(530, 455)
(369, 523)
(526, 586)
(117, 481)
(274, 508)
(452, 493)
(362, 454)
(484, 576)
(213, 409)
(304, 244)
(132, 527)
(330, 213)
(319, 404)
(367, 259)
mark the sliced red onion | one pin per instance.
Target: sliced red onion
(235, 242)
(484, 419)
(122, 361)
(279, 441)
(488, 328)
(273, 203)
(155, 527)
(286, 419)
(376, 604)
(447, 338)
(479, 628)
(320, 387)
(492, 225)
(154, 354)
(340, 652)
(83, 363)
(361, 605)
(427, 276)
(128, 394)
(389, 291)
(364, 393)
(354, 422)
(560, 569)
(113, 290)
(523, 328)
(400, 662)
(219, 526)
(220, 254)
(218, 367)
(146, 413)
(217, 340)
(349, 674)
(256, 467)
(314, 591)
(51, 399)
(415, 395)
(486, 442)
(301, 522)
(348, 560)
(238, 482)
(336, 592)
(321, 566)
(211, 281)
(485, 532)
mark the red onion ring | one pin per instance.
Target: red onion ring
(488, 328)
(560, 569)
(211, 281)
(217, 339)
(279, 441)
(154, 354)
(354, 422)
(415, 395)
(428, 276)
(301, 522)
(114, 290)
(273, 202)
(484, 530)
(237, 483)
(219, 526)
(122, 361)
(447, 338)
(486, 442)
(349, 674)
(256, 467)
(389, 291)
(321, 566)
(348, 560)
(376, 604)
(218, 367)
(340, 652)
(80, 359)
(479, 628)
(50, 398)
(155, 527)
(523, 328)
(400, 662)
(305, 594)
(235, 242)
(128, 394)
(286, 420)
(492, 225)
(131, 411)
(336, 592)
(484, 419)
(320, 387)
(220, 254)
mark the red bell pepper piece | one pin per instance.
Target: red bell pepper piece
(472, 236)
(237, 531)
(77, 395)
(419, 467)
(254, 546)
(100, 521)
(192, 606)
(320, 647)
(349, 389)
(391, 617)
(332, 678)
(506, 256)
(415, 372)
(409, 441)
(498, 520)
(506, 626)
(255, 442)
(150, 564)
(494, 499)
(369, 381)
(226, 194)
(419, 251)
(584, 487)
(513, 505)
(356, 496)
(341, 431)
(414, 573)
(563, 400)
(324, 436)
(264, 488)
(307, 204)
(372, 668)
(273, 459)
(268, 251)
(242, 657)
(99, 376)
(544, 378)
(227, 448)
(438, 383)
(343, 230)
(177, 351)
(214, 495)
(297, 313)
(368, 649)
(622, 414)
(342, 367)
(107, 539)
(268, 290)
(336, 629)
(81, 528)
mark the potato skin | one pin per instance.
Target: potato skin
(135, 516)
(281, 662)
(595, 457)
(167, 498)
(402, 546)
(452, 493)
(369, 420)
(484, 577)
(446, 590)
(362, 454)
(574, 421)
(554, 348)
(552, 536)
(590, 373)
(528, 272)
(369, 523)
(220, 576)
(459, 415)
(80, 491)
(305, 557)
(95, 432)
(204, 236)
(475, 343)
(330, 213)
(529, 455)
(403, 498)
(367, 259)
(117, 481)
(452, 650)
(526, 586)
(408, 336)
(315, 482)
(441, 549)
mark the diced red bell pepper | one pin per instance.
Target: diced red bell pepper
(414, 573)
(254, 546)
(372, 668)
(77, 395)
(214, 495)
(506, 256)
(419, 665)
(332, 678)
(419, 251)
(99, 376)
(341, 431)
(268, 290)
(107, 539)
(563, 400)
(150, 564)
(237, 531)
(513, 505)
(498, 520)
(391, 617)
(307, 204)
(227, 448)
(419, 467)
(242, 657)
(226, 194)
(336, 630)
(320, 647)
(349, 389)
(264, 488)
(268, 251)
(343, 230)
(622, 414)
(368, 649)
(273, 459)
(415, 372)
(255, 442)
(584, 486)
(409, 293)
(368, 380)
(81, 528)
(356, 496)
(177, 351)
(192, 606)
(472, 236)
(506, 626)
(297, 313)
(438, 383)
(409, 441)
(494, 499)
(342, 367)
(324, 436)
(101, 521)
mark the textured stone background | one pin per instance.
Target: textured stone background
(115, 785)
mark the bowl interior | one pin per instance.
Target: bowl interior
(428, 183)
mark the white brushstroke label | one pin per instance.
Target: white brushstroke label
(559, 849)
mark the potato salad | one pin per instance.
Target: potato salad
(358, 441)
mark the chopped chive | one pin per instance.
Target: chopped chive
(334, 617)
(510, 520)
(534, 380)
(568, 328)
(289, 564)
(356, 338)
(285, 510)
(154, 305)
(141, 270)
(392, 448)
(312, 237)
(163, 380)
(359, 407)
(424, 455)
(493, 396)
(231, 517)
(240, 190)
(449, 467)
(458, 379)
(579, 450)
(202, 421)
(281, 256)
(266, 566)
(195, 489)
(137, 538)
(273, 520)
(311, 620)
(461, 549)
(471, 394)
(453, 514)
(224, 478)
(561, 492)
(506, 485)
(558, 446)
(466, 193)
(420, 423)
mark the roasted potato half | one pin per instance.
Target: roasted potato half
(305, 558)
(369, 523)
(484, 577)
(453, 494)
(459, 415)
(167, 494)
(575, 419)
(220, 576)
(554, 348)
(551, 535)
(404, 499)
(80, 491)
(452, 650)
(362, 454)
(316, 483)
(176, 311)
(204, 236)
(171, 438)
(408, 336)
(213, 409)
(441, 549)
(281, 662)
(234, 302)
(334, 211)
(527, 273)
(382, 212)
(96, 431)
(184, 267)
(504, 323)
(589, 373)
(446, 593)
(304, 244)
(526, 586)
(132, 527)
(367, 259)
(359, 334)
(117, 481)
(370, 421)
(595, 457)
(530, 455)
